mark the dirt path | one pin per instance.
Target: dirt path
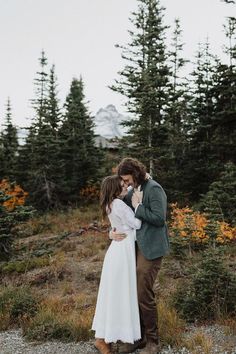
(12, 342)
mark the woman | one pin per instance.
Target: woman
(117, 314)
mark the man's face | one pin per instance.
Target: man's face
(128, 180)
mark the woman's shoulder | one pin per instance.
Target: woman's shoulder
(118, 202)
(119, 205)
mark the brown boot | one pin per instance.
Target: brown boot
(151, 348)
(130, 348)
(102, 346)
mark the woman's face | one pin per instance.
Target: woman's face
(124, 188)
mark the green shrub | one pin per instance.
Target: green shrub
(47, 325)
(16, 303)
(210, 290)
(9, 218)
(24, 265)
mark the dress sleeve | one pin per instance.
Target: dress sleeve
(126, 215)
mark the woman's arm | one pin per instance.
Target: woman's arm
(127, 216)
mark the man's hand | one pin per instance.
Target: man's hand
(117, 236)
(137, 198)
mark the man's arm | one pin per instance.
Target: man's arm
(155, 212)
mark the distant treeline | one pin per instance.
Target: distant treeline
(183, 128)
(58, 157)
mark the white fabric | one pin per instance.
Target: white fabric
(117, 313)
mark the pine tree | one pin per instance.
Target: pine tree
(1, 158)
(177, 115)
(53, 110)
(144, 81)
(41, 151)
(24, 160)
(33, 153)
(201, 160)
(39, 103)
(220, 200)
(225, 101)
(80, 158)
(9, 147)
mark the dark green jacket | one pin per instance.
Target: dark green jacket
(152, 238)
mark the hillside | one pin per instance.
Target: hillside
(51, 283)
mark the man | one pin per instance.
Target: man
(149, 203)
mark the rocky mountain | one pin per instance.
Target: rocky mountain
(108, 123)
(22, 135)
(107, 126)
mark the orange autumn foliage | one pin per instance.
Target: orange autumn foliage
(191, 227)
(15, 192)
(226, 232)
(90, 193)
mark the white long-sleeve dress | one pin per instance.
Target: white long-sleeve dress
(117, 313)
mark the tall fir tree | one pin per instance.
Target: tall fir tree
(42, 144)
(225, 100)
(1, 157)
(33, 153)
(80, 159)
(220, 200)
(24, 160)
(39, 103)
(177, 116)
(201, 160)
(9, 146)
(53, 111)
(144, 81)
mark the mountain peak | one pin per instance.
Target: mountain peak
(108, 123)
(111, 107)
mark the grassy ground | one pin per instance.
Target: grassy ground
(49, 287)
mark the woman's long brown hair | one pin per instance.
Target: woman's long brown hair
(110, 189)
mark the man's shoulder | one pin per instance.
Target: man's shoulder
(152, 183)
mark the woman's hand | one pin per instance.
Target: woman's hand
(137, 198)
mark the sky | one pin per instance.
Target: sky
(79, 37)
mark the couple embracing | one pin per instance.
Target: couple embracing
(126, 307)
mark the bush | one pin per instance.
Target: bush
(24, 265)
(196, 231)
(47, 326)
(210, 291)
(64, 323)
(17, 304)
(12, 212)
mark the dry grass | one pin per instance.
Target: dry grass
(229, 325)
(171, 327)
(70, 221)
(5, 321)
(65, 318)
(199, 342)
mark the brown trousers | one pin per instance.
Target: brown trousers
(147, 271)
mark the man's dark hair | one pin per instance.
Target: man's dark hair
(130, 166)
